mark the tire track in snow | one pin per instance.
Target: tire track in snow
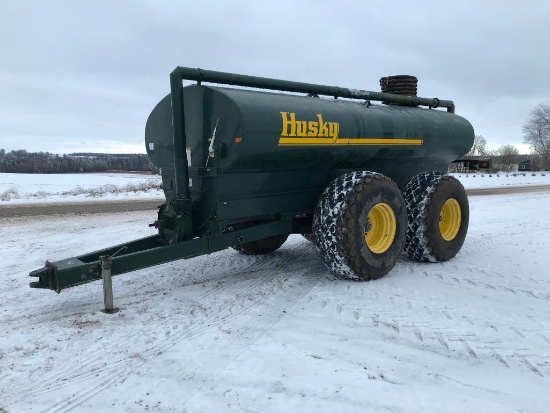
(194, 365)
(211, 355)
(451, 278)
(263, 289)
(64, 374)
(189, 331)
(479, 340)
(56, 312)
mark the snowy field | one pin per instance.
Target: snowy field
(93, 187)
(100, 187)
(233, 333)
(503, 179)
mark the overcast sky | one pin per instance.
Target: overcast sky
(84, 75)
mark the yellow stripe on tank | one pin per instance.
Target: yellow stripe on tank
(284, 141)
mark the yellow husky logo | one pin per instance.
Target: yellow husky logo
(318, 133)
(311, 129)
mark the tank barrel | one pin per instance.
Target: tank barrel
(202, 75)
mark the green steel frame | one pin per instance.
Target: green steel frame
(143, 253)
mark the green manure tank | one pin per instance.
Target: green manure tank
(247, 165)
(253, 153)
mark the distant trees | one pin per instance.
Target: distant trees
(504, 158)
(21, 161)
(536, 163)
(536, 133)
(507, 157)
(478, 147)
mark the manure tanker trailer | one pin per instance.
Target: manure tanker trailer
(246, 166)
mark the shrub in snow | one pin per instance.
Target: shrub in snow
(141, 186)
(533, 174)
(8, 194)
(40, 194)
(490, 176)
(482, 175)
(543, 174)
(75, 191)
(102, 190)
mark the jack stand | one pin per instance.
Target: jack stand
(106, 262)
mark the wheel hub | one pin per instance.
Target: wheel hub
(450, 218)
(380, 228)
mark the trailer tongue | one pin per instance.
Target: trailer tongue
(143, 253)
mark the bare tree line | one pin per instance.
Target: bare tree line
(21, 161)
(536, 133)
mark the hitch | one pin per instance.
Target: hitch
(83, 269)
(47, 277)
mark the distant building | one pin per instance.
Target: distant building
(495, 163)
(471, 164)
(525, 165)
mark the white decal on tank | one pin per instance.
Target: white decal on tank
(211, 152)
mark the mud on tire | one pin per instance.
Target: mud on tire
(428, 196)
(340, 225)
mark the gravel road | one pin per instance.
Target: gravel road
(127, 206)
(86, 208)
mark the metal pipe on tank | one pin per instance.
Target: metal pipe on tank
(181, 203)
(180, 141)
(201, 75)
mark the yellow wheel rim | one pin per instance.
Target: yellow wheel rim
(449, 219)
(380, 228)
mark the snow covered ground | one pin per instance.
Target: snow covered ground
(93, 187)
(503, 179)
(59, 188)
(234, 333)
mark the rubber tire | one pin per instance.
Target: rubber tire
(425, 194)
(261, 246)
(339, 225)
